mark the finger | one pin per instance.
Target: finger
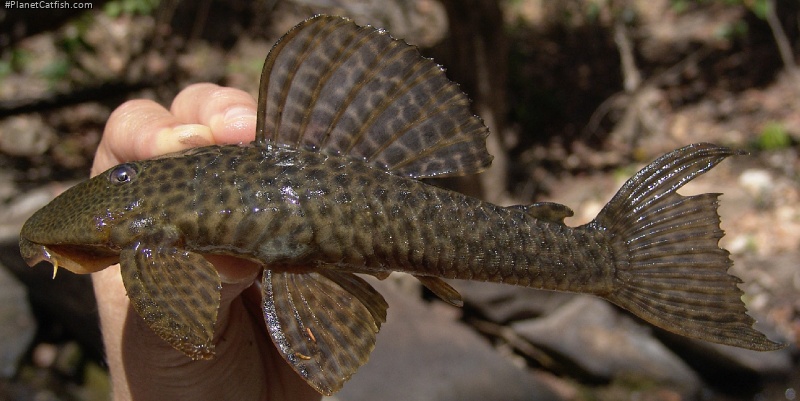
(148, 368)
(141, 129)
(235, 270)
(229, 112)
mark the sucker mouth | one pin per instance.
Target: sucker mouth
(79, 259)
(33, 253)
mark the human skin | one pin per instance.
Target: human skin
(142, 365)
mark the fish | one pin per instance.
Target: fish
(350, 121)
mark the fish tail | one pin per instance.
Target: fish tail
(670, 270)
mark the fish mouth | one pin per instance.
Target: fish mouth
(79, 259)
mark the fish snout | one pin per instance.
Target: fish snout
(31, 252)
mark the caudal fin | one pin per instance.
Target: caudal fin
(671, 271)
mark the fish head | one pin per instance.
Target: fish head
(84, 228)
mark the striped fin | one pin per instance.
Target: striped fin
(324, 324)
(670, 270)
(333, 86)
(176, 292)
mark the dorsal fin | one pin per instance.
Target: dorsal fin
(333, 86)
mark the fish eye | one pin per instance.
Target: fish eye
(122, 174)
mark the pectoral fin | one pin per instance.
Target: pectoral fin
(176, 292)
(324, 324)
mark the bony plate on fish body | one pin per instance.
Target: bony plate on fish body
(349, 121)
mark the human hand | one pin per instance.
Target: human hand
(142, 365)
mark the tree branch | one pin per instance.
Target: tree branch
(784, 47)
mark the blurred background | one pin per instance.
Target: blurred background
(578, 95)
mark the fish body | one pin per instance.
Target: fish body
(293, 210)
(349, 121)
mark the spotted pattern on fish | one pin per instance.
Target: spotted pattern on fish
(349, 119)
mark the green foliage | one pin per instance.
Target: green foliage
(757, 7)
(97, 384)
(680, 6)
(774, 136)
(20, 58)
(116, 8)
(622, 173)
(15, 60)
(73, 42)
(593, 11)
(248, 66)
(734, 30)
(5, 69)
(57, 70)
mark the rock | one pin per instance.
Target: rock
(756, 181)
(422, 354)
(8, 186)
(718, 362)
(65, 307)
(502, 303)
(591, 336)
(17, 209)
(17, 325)
(203, 62)
(774, 363)
(25, 136)
(759, 184)
(771, 286)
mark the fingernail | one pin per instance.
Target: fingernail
(233, 120)
(239, 112)
(239, 117)
(183, 137)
